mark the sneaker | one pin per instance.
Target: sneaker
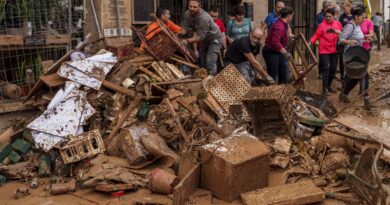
(343, 98)
(331, 90)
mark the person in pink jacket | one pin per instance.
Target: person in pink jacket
(327, 33)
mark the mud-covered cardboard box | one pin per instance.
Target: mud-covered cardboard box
(234, 165)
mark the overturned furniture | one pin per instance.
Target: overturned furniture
(228, 88)
(164, 42)
(301, 66)
(83, 146)
(265, 106)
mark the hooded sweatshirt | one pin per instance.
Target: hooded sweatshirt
(328, 41)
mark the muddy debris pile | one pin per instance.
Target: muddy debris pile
(115, 125)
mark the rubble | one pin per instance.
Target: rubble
(139, 123)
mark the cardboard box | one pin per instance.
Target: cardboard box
(234, 165)
(106, 12)
(120, 46)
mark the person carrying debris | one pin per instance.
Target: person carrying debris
(163, 14)
(205, 31)
(344, 19)
(327, 33)
(274, 52)
(242, 53)
(352, 35)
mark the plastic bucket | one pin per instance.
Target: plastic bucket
(356, 59)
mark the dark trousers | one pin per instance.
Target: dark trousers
(276, 66)
(341, 65)
(350, 83)
(328, 68)
(378, 36)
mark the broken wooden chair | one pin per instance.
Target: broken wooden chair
(299, 67)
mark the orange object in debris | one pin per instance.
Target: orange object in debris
(154, 28)
(162, 181)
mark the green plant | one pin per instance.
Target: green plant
(21, 63)
(37, 67)
(2, 9)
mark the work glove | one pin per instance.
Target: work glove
(287, 55)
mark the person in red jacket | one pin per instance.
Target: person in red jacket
(327, 33)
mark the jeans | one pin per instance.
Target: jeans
(328, 68)
(209, 53)
(246, 70)
(350, 83)
(276, 66)
(378, 36)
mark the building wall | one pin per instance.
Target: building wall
(260, 10)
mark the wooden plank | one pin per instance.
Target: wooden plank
(7, 107)
(362, 126)
(166, 70)
(177, 120)
(6, 40)
(186, 186)
(150, 73)
(118, 88)
(57, 39)
(179, 81)
(53, 80)
(184, 62)
(124, 115)
(175, 71)
(54, 68)
(160, 71)
(303, 192)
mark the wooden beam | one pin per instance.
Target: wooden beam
(53, 80)
(177, 120)
(7, 107)
(118, 88)
(179, 81)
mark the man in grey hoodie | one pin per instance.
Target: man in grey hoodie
(206, 32)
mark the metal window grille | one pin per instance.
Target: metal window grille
(31, 32)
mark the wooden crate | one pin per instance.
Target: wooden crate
(10, 40)
(57, 39)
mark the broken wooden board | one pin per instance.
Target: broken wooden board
(54, 68)
(364, 127)
(114, 187)
(13, 106)
(186, 186)
(53, 80)
(303, 192)
(200, 197)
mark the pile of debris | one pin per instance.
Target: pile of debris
(114, 125)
